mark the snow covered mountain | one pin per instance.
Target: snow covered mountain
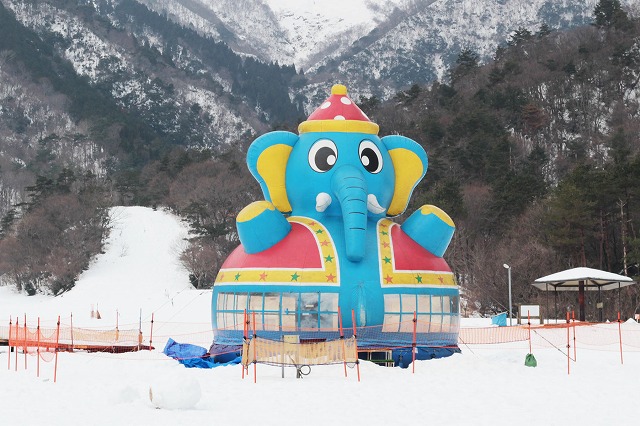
(206, 73)
(290, 32)
(376, 47)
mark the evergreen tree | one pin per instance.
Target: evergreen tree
(609, 13)
(620, 147)
(544, 31)
(520, 37)
(570, 220)
(467, 62)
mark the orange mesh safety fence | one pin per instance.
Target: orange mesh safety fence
(492, 335)
(273, 352)
(589, 335)
(586, 334)
(48, 338)
(81, 336)
(580, 334)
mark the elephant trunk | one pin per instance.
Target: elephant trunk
(350, 188)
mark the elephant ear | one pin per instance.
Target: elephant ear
(410, 165)
(267, 159)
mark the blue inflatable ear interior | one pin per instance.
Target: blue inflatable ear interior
(267, 160)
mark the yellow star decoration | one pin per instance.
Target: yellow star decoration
(388, 274)
(328, 274)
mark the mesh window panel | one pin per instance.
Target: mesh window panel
(424, 303)
(309, 310)
(423, 323)
(241, 301)
(289, 311)
(391, 323)
(392, 303)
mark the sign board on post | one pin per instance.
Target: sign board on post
(529, 311)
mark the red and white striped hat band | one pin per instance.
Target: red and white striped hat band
(338, 114)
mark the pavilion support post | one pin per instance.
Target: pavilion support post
(581, 300)
(555, 299)
(600, 305)
(547, 313)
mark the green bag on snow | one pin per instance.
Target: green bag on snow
(530, 361)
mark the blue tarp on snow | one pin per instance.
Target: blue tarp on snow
(499, 320)
(192, 356)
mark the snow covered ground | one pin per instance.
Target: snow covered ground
(139, 275)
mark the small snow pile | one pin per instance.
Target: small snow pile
(125, 396)
(175, 392)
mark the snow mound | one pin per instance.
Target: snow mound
(175, 392)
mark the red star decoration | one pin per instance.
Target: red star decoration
(441, 280)
(263, 276)
(385, 244)
(312, 224)
(221, 276)
(388, 279)
(331, 278)
(324, 243)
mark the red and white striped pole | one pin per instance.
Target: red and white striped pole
(344, 350)
(38, 349)
(55, 368)
(24, 347)
(151, 333)
(568, 347)
(255, 355)
(414, 343)
(16, 344)
(353, 320)
(573, 321)
(529, 323)
(245, 338)
(620, 336)
(9, 343)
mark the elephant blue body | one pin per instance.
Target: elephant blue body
(320, 251)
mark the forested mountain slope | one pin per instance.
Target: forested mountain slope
(536, 155)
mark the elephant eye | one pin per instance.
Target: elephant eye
(370, 156)
(323, 155)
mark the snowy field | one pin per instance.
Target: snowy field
(139, 275)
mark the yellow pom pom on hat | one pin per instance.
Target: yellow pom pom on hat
(338, 114)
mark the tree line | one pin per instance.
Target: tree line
(536, 155)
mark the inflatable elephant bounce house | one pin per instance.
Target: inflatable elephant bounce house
(321, 243)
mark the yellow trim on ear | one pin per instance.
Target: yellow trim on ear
(409, 169)
(429, 209)
(271, 167)
(253, 210)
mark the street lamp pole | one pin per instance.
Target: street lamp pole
(509, 275)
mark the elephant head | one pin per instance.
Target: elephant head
(338, 167)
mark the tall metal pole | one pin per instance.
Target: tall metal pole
(509, 275)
